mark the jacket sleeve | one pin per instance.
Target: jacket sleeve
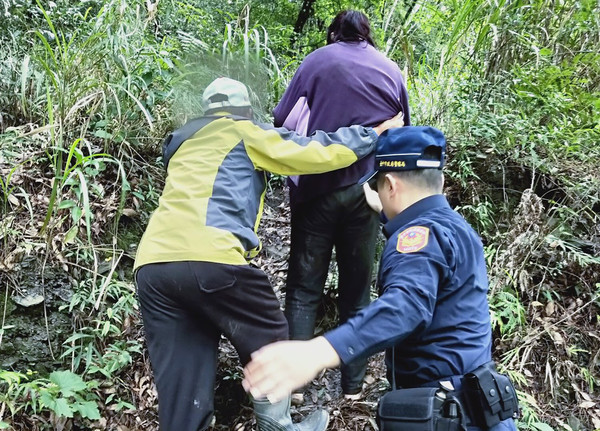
(285, 152)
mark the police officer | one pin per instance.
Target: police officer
(432, 314)
(193, 277)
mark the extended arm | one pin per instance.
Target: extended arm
(403, 308)
(285, 152)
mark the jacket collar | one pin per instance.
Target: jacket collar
(413, 211)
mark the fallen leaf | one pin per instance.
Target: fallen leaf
(129, 212)
(13, 200)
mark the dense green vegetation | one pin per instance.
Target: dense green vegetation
(88, 89)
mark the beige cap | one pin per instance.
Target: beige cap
(225, 92)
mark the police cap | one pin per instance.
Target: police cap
(409, 148)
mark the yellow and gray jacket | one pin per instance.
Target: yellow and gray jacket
(213, 197)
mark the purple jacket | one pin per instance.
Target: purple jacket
(341, 84)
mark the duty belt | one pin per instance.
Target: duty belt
(486, 396)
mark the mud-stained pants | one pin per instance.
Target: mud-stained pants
(342, 219)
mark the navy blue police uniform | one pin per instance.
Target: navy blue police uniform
(432, 309)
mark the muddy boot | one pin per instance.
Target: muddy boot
(276, 417)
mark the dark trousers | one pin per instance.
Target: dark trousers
(344, 220)
(186, 306)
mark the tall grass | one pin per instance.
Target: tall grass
(93, 92)
(516, 88)
(243, 54)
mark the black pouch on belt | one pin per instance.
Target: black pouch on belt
(420, 409)
(490, 396)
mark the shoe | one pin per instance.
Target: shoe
(276, 417)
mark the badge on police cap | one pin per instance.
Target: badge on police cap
(413, 239)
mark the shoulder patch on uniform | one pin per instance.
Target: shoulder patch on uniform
(413, 239)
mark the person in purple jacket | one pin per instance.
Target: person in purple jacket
(345, 82)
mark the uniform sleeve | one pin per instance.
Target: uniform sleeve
(285, 152)
(405, 307)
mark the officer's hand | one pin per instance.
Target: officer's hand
(279, 368)
(397, 121)
(372, 198)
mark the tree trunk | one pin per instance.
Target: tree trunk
(305, 12)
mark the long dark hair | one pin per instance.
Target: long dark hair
(350, 26)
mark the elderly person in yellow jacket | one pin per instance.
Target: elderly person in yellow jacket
(193, 277)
